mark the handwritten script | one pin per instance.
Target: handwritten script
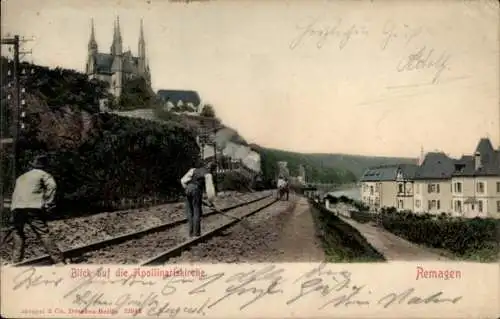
(337, 30)
(419, 57)
(320, 32)
(323, 286)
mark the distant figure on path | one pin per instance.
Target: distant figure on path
(32, 200)
(195, 181)
(282, 187)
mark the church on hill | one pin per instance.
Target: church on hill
(117, 66)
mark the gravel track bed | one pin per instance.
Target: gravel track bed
(137, 250)
(84, 230)
(254, 241)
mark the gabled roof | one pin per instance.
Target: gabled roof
(380, 173)
(436, 165)
(489, 159)
(130, 62)
(408, 170)
(388, 172)
(103, 62)
(175, 96)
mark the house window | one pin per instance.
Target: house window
(401, 204)
(480, 187)
(498, 206)
(458, 187)
(431, 188)
(498, 187)
(438, 204)
(417, 188)
(377, 187)
(432, 204)
(401, 188)
(417, 203)
(371, 190)
(458, 206)
(480, 206)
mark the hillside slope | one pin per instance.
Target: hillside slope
(358, 163)
(351, 167)
(97, 158)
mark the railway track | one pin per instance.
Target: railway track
(117, 249)
(177, 250)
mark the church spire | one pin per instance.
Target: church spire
(116, 47)
(142, 50)
(141, 37)
(118, 32)
(92, 42)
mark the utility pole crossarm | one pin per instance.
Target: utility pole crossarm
(10, 41)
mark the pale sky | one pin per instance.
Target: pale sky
(322, 92)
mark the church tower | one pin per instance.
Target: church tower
(117, 66)
(92, 51)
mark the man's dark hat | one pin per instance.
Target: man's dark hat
(40, 161)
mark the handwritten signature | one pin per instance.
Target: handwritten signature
(334, 288)
(321, 34)
(424, 59)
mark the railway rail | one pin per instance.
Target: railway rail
(186, 245)
(99, 247)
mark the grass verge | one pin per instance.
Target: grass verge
(340, 241)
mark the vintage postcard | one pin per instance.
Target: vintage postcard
(250, 159)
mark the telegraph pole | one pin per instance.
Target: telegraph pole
(16, 109)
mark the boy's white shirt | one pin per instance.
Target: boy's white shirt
(209, 183)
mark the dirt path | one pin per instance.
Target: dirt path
(283, 232)
(391, 246)
(297, 241)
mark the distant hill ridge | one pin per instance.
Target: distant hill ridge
(357, 164)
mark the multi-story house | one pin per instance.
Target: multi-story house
(388, 186)
(467, 187)
(405, 186)
(475, 184)
(432, 191)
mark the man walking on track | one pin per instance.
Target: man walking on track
(32, 200)
(195, 181)
(282, 187)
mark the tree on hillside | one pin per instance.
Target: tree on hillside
(136, 94)
(183, 108)
(57, 87)
(208, 111)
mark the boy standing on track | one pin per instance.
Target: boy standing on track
(32, 199)
(195, 181)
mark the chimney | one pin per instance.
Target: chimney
(477, 161)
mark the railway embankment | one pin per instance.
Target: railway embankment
(340, 241)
